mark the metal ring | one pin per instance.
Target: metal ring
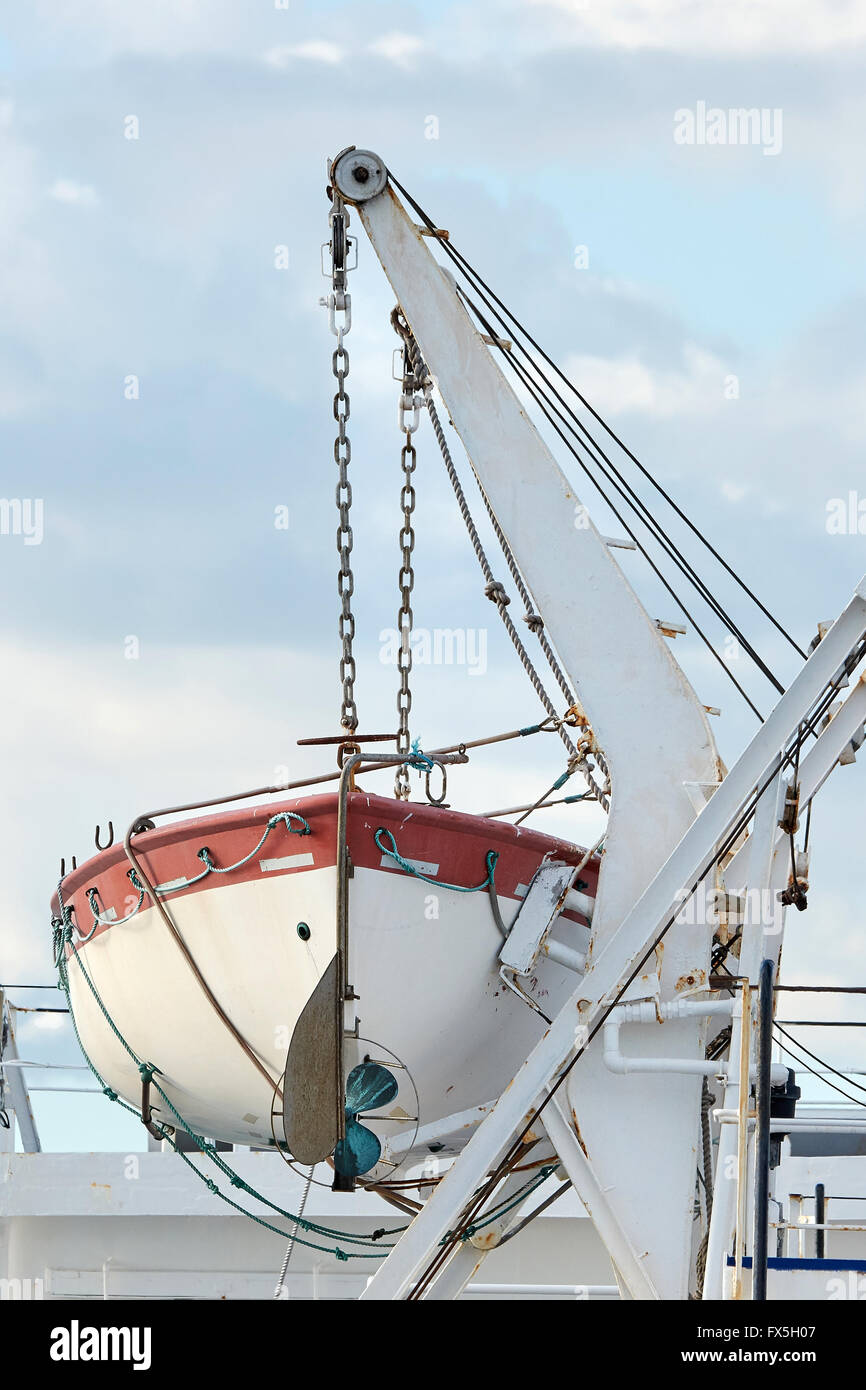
(346, 750)
(440, 799)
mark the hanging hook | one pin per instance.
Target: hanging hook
(110, 837)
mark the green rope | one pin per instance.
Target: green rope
(497, 1212)
(260, 1221)
(285, 816)
(148, 1071)
(91, 893)
(209, 868)
(393, 853)
(62, 932)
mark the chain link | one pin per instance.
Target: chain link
(409, 415)
(339, 304)
(578, 758)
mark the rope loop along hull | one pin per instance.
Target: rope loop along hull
(256, 908)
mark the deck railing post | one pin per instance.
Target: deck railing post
(764, 1051)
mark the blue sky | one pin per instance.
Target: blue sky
(155, 257)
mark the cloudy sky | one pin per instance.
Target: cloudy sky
(658, 272)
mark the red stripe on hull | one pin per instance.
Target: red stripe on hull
(457, 842)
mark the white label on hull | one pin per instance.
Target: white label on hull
(290, 861)
(419, 865)
(171, 885)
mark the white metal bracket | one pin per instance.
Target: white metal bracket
(539, 910)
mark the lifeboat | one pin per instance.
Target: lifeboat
(210, 977)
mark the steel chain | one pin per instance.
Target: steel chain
(495, 590)
(409, 415)
(340, 317)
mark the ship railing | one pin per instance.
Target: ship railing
(806, 1231)
(758, 1131)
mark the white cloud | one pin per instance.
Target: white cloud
(616, 386)
(733, 492)
(398, 48)
(67, 191)
(311, 51)
(103, 29)
(48, 1023)
(738, 26)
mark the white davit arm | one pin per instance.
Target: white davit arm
(645, 715)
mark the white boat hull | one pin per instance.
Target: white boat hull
(422, 959)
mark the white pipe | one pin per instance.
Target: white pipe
(645, 1012)
(765, 868)
(576, 901)
(579, 1291)
(564, 955)
(834, 1124)
(437, 1129)
(652, 1011)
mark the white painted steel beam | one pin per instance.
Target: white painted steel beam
(618, 962)
(649, 722)
(581, 1292)
(658, 745)
(762, 864)
(765, 869)
(653, 729)
(447, 1127)
(629, 1263)
(16, 1086)
(815, 767)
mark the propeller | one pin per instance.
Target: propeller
(369, 1086)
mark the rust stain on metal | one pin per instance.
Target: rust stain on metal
(695, 980)
(577, 1132)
